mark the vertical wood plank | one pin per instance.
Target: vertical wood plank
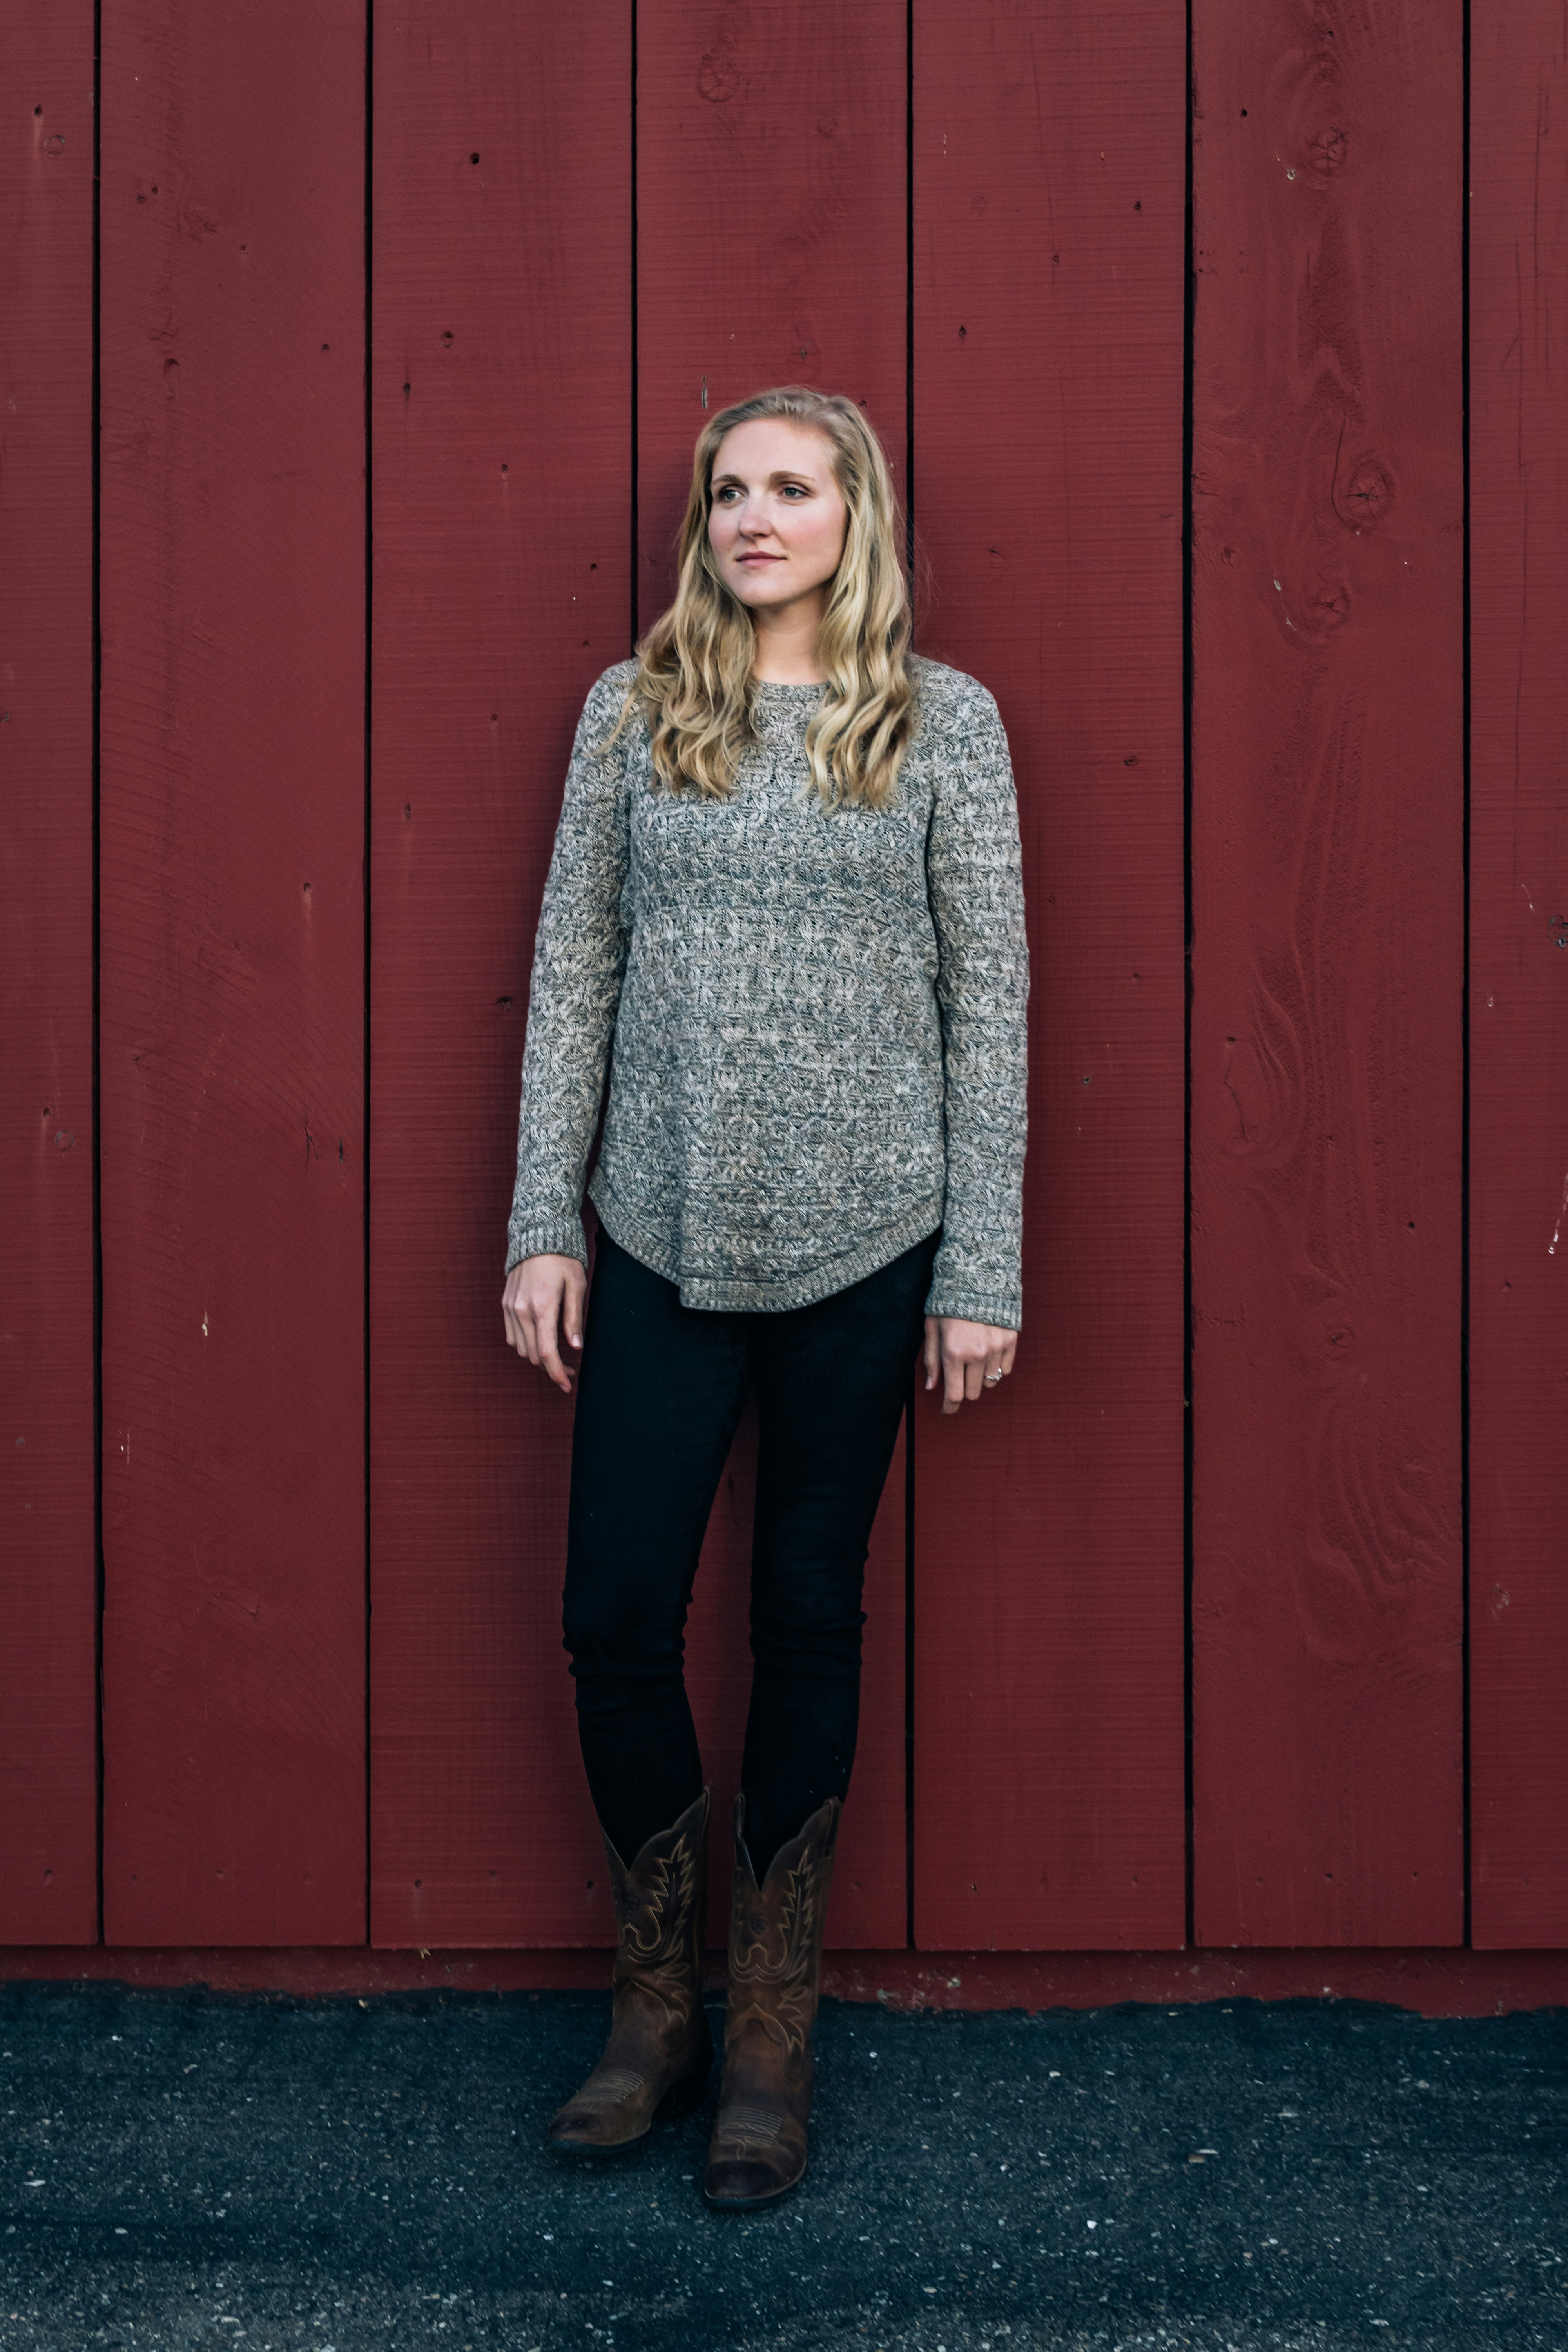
(772, 223)
(501, 432)
(232, 972)
(1328, 926)
(1048, 179)
(48, 1793)
(1518, 977)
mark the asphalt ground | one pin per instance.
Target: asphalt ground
(330, 2176)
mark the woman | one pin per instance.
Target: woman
(785, 907)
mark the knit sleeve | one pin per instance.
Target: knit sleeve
(974, 878)
(579, 956)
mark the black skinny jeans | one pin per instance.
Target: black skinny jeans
(658, 1396)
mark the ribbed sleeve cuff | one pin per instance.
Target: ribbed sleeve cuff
(996, 1307)
(565, 1239)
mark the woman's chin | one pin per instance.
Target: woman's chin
(752, 591)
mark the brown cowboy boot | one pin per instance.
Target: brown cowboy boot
(758, 2147)
(657, 2060)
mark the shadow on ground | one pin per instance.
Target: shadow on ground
(187, 2168)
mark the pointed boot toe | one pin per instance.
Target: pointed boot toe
(740, 2185)
(757, 2155)
(612, 2111)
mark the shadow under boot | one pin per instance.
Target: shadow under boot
(758, 2149)
(660, 2051)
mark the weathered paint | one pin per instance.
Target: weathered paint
(232, 881)
(1328, 933)
(1518, 977)
(49, 1792)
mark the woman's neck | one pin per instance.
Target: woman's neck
(786, 651)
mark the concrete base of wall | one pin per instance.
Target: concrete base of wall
(1436, 1983)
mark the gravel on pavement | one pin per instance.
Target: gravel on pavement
(191, 2169)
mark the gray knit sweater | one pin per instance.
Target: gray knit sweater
(818, 1018)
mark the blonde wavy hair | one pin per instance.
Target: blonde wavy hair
(694, 681)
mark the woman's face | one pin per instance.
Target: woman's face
(777, 522)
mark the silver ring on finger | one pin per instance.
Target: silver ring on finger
(992, 1379)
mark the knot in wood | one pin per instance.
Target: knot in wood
(719, 75)
(1364, 496)
(1326, 153)
(1331, 606)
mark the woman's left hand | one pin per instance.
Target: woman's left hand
(969, 1357)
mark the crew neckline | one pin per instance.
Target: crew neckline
(788, 685)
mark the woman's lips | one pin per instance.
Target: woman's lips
(759, 559)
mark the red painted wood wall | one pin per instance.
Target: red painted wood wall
(325, 500)
(1327, 975)
(48, 1761)
(231, 972)
(1518, 981)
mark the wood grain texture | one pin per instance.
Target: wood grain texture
(1518, 977)
(1047, 413)
(48, 1793)
(501, 428)
(1327, 971)
(232, 972)
(772, 223)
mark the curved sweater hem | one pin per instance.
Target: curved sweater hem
(732, 1294)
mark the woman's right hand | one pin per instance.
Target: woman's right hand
(542, 1309)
